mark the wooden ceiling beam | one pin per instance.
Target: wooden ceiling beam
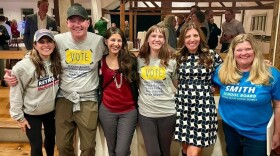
(222, 4)
(154, 3)
(216, 13)
(259, 3)
(146, 4)
(204, 8)
(205, 0)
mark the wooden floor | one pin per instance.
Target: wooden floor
(11, 148)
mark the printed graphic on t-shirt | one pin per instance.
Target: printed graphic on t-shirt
(244, 93)
(78, 57)
(153, 88)
(153, 73)
(153, 76)
(46, 82)
(78, 62)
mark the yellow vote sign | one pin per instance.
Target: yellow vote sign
(153, 73)
(78, 56)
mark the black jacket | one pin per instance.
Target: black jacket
(5, 36)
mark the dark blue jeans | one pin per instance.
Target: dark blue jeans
(238, 145)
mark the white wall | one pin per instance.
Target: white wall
(12, 9)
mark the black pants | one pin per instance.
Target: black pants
(35, 133)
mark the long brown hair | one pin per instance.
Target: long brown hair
(55, 59)
(202, 51)
(126, 59)
(164, 53)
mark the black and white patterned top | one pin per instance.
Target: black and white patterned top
(196, 121)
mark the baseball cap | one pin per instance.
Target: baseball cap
(77, 10)
(42, 32)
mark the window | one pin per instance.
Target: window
(258, 23)
(26, 11)
(89, 12)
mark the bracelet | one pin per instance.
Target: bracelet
(21, 119)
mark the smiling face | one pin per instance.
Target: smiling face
(195, 19)
(192, 40)
(45, 47)
(78, 27)
(229, 16)
(114, 43)
(156, 40)
(244, 55)
(43, 7)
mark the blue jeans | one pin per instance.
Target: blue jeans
(238, 145)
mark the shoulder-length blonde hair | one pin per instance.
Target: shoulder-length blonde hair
(259, 73)
(164, 52)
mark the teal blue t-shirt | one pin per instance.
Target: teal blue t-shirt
(247, 107)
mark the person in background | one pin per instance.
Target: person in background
(4, 36)
(101, 26)
(156, 98)
(161, 23)
(8, 28)
(37, 21)
(119, 88)
(231, 28)
(7, 21)
(249, 94)
(32, 100)
(213, 28)
(198, 18)
(113, 25)
(90, 28)
(180, 22)
(14, 29)
(194, 8)
(196, 116)
(126, 30)
(170, 31)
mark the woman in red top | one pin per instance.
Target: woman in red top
(118, 78)
(14, 29)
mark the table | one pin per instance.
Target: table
(11, 54)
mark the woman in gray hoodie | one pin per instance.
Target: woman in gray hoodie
(32, 99)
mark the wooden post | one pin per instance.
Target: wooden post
(56, 12)
(166, 7)
(274, 50)
(135, 23)
(63, 7)
(131, 26)
(122, 15)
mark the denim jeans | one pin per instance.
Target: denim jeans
(238, 145)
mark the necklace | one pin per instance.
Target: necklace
(116, 82)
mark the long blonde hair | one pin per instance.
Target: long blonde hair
(259, 73)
